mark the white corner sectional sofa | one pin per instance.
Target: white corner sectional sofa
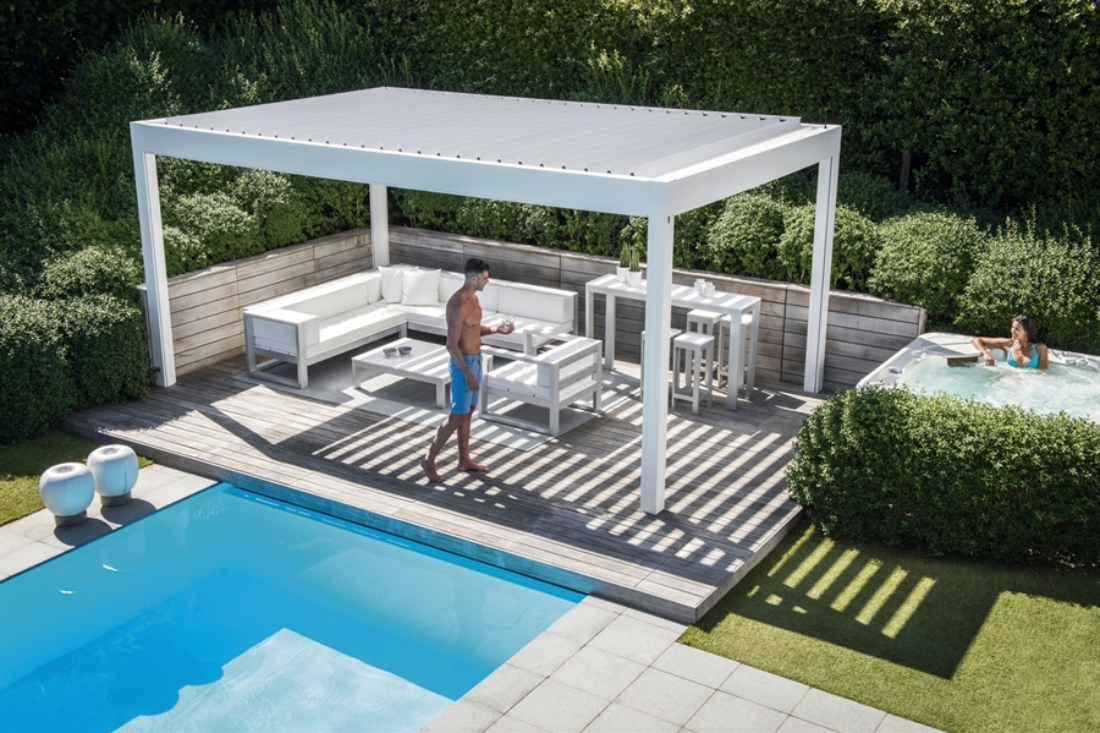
(319, 322)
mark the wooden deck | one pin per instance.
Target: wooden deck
(566, 511)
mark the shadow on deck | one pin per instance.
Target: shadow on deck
(566, 511)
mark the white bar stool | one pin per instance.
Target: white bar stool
(750, 351)
(692, 349)
(672, 334)
(709, 322)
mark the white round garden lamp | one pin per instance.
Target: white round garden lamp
(67, 490)
(115, 468)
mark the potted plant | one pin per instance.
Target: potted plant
(634, 276)
(624, 262)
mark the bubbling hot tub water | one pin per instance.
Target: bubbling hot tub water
(939, 362)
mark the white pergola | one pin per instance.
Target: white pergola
(621, 159)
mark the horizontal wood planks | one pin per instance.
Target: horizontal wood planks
(863, 331)
(567, 509)
(206, 305)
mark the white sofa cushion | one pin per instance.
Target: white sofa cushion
(392, 283)
(420, 287)
(490, 296)
(449, 283)
(527, 302)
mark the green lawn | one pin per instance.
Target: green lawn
(956, 644)
(21, 466)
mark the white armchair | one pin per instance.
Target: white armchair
(558, 377)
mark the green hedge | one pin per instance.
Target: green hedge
(926, 259)
(1055, 279)
(106, 349)
(947, 476)
(56, 356)
(36, 384)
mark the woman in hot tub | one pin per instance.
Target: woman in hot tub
(1023, 348)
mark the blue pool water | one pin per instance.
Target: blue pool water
(232, 611)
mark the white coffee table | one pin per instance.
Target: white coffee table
(426, 362)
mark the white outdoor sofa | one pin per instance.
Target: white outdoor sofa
(319, 322)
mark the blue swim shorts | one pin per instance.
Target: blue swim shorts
(462, 399)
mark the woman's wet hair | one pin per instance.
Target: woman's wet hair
(1029, 327)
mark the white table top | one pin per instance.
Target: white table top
(682, 295)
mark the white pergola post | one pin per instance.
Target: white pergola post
(379, 225)
(658, 317)
(156, 272)
(820, 275)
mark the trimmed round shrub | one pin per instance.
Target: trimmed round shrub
(926, 259)
(107, 349)
(89, 271)
(744, 239)
(856, 240)
(227, 231)
(1056, 280)
(947, 476)
(691, 234)
(36, 387)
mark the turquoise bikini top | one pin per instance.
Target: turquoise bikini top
(1032, 363)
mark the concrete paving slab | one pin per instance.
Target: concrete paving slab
(545, 654)
(696, 665)
(553, 706)
(665, 696)
(618, 718)
(636, 639)
(463, 717)
(598, 672)
(837, 713)
(504, 688)
(585, 621)
(798, 725)
(725, 713)
(764, 688)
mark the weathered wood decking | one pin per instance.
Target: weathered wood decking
(566, 511)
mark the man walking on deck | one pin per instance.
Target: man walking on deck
(464, 332)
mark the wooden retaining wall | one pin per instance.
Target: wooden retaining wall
(863, 331)
(207, 326)
(206, 305)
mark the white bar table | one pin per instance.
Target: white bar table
(731, 304)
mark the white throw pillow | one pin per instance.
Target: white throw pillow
(420, 287)
(392, 283)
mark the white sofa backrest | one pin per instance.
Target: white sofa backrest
(336, 301)
(294, 301)
(490, 296)
(533, 302)
(449, 283)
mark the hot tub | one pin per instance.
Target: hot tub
(947, 362)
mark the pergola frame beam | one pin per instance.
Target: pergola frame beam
(689, 174)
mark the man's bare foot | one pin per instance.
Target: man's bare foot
(430, 472)
(471, 466)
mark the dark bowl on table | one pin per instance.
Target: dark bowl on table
(405, 350)
(389, 351)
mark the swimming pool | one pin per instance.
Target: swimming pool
(947, 362)
(232, 611)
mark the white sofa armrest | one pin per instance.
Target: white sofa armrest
(273, 328)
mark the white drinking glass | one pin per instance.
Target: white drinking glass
(509, 322)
